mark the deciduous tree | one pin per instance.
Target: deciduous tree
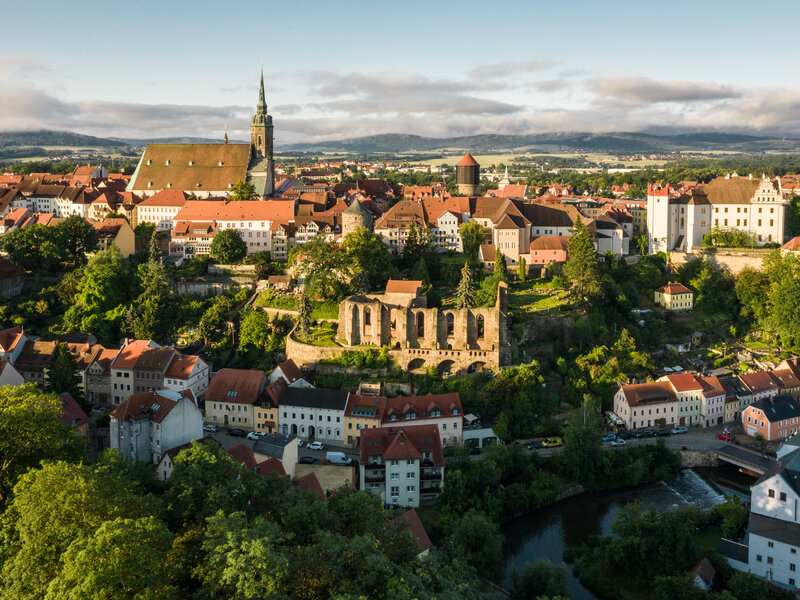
(243, 191)
(228, 247)
(62, 373)
(370, 255)
(472, 236)
(304, 317)
(324, 267)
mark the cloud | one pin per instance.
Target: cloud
(21, 63)
(504, 69)
(551, 85)
(286, 109)
(642, 90)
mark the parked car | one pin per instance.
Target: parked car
(254, 435)
(680, 429)
(236, 432)
(552, 442)
(307, 460)
(625, 435)
(645, 434)
(534, 445)
(299, 442)
(662, 433)
(724, 436)
(618, 442)
(609, 437)
(315, 446)
(211, 428)
(338, 458)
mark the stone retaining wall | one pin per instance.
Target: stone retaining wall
(732, 259)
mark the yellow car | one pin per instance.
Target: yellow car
(551, 442)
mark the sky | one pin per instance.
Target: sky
(437, 68)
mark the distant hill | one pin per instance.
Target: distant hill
(613, 142)
(54, 138)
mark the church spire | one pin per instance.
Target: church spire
(261, 107)
(226, 133)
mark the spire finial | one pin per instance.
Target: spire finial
(226, 133)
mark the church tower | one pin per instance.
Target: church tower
(261, 137)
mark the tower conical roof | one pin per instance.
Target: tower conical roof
(506, 179)
(467, 161)
(356, 208)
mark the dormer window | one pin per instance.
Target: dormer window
(149, 162)
(167, 163)
(230, 185)
(220, 163)
(169, 185)
(149, 184)
(191, 162)
(393, 417)
(411, 415)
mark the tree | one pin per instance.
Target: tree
(244, 560)
(324, 267)
(304, 318)
(243, 191)
(465, 294)
(523, 269)
(478, 541)
(640, 243)
(254, 330)
(472, 236)
(360, 283)
(124, 558)
(31, 431)
(206, 479)
(715, 291)
(79, 238)
(228, 247)
(500, 266)
(537, 579)
(36, 247)
(148, 323)
(370, 255)
(583, 447)
(62, 373)
(52, 508)
(144, 230)
(752, 288)
(101, 297)
(581, 269)
(793, 216)
(419, 243)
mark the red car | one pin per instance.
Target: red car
(724, 436)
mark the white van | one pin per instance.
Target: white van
(338, 458)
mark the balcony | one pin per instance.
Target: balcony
(374, 479)
(434, 489)
(431, 475)
(375, 465)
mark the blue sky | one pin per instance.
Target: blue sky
(343, 69)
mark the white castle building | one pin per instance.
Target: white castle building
(679, 222)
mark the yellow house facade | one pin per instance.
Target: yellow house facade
(674, 296)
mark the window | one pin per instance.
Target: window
(395, 462)
(783, 496)
(772, 493)
(770, 544)
(791, 567)
(410, 476)
(395, 476)
(410, 462)
(758, 557)
(769, 560)
(410, 489)
(395, 491)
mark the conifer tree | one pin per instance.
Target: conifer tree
(500, 266)
(62, 374)
(523, 270)
(581, 269)
(304, 319)
(465, 295)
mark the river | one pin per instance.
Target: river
(546, 533)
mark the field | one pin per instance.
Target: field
(493, 159)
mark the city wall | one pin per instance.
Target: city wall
(732, 259)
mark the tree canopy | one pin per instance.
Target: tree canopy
(581, 269)
(228, 247)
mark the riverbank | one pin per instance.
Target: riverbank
(572, 521)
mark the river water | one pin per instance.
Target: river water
(547, 533)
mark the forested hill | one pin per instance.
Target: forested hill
(614, 142)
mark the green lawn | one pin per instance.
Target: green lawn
(329, 309)
(322, 335)
(535, 296)
(269, 299)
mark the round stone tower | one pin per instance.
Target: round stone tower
(468, 176)
(355, 216)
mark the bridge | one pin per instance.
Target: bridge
(750, 462)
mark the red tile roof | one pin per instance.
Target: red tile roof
(129, 354)
(684, 382)
(243, 454)
(290, 370)
(467, 161)
(148, 405)
(311, 483)
(550, 242)
(9, 338)
(401, 442)
(410, 518)
(271, 465)
(422, 406)
(793, 244)
(648, 393)
(166, 198)
(760, 381)
(181, 366)
(241, 386)
(71, 412)
(674, 287)
(403, 286)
